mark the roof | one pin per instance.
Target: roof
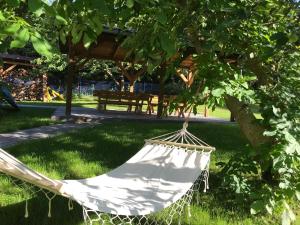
(108, 46)
(14, 59)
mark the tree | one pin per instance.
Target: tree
(246, 53)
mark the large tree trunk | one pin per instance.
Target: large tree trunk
(247, 122)
(69, 85)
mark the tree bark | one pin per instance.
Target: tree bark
(247, 122)
(69, 85)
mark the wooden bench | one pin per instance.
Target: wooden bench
(122, 98)
(180, 109)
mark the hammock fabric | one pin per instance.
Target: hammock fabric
(159, 175)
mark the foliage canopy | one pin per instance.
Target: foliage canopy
(245, 52)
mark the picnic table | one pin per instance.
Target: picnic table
(136, 100)
(123, 98)
(167, 99)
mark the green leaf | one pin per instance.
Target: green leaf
(21, 39)
(87, 40)
(36, 7)
(297, 193)
(2, 18)
(24, 35)
(41, 46)
(62, 36)
(76, 37)
(280, 38)
(12, 29)
(97, 24)
(269, 209)
(293, 37)
(218, 92)
(167, 44)
(60, 19)
(74, 34)
(162, 18)
(99, 4)
(13, 3)
(257, 207)
(130, 3)
(17, 44)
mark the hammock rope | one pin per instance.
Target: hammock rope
(175, 149)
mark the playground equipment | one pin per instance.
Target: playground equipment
(51, 94)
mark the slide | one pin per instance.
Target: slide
(5, 94)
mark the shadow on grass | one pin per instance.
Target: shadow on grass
(93, 151)
(12, 120)
(14, 214)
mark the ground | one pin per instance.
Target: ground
(93, 151)
(13, 120)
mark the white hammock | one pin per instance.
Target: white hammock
(160, 174)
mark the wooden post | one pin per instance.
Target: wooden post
(160, 106)
(44, 87)
(205, 111)
(122, 81)
(131, 87)
(69, 85)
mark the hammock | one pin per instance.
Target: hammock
(161, 175)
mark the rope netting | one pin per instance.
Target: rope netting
(92, 217)
(165, 217)
(29, 191)
(182, 139)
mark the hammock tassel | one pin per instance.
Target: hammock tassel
(50, 204)
(189, 211)
(49, 208)
(207, 183)
(70, 205)
(26, 209)
(198, 197)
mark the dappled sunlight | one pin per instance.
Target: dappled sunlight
(96, 150)
(24, 118)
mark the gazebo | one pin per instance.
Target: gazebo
(109, 47)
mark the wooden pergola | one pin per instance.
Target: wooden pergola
(109, 47)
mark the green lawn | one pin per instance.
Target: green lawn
(84, 101)
(93, 151)
(13, 120)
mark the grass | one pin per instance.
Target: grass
(13, 120)
(93, 151)
(84, 101)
